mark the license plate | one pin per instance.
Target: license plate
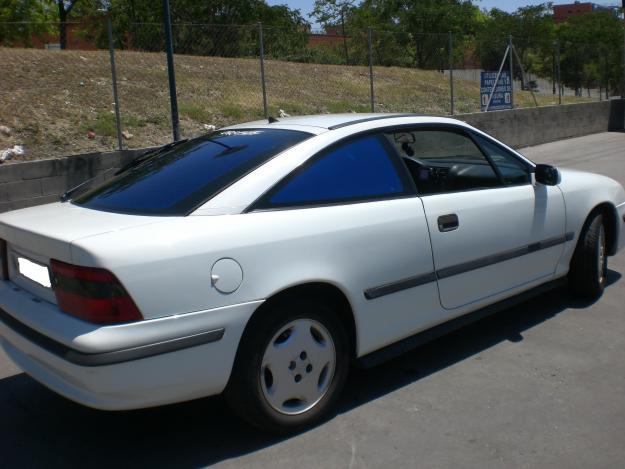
(36, 272)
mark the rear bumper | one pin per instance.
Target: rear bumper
(144, 375)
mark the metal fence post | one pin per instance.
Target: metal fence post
(623, 83)
(261, 47)
(371, 69)
(511, 72)
(173, 99)
(118, 124)
(451, 72)
(558, 71)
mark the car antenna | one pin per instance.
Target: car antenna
(272, 119)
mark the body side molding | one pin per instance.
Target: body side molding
(415, 281)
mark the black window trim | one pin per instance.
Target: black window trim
(529, 168)
(394, 158)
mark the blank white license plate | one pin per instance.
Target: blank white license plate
(36, 272)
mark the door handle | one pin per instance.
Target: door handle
(448, 222)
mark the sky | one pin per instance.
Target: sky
(306, 6)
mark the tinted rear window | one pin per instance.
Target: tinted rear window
(181, 179)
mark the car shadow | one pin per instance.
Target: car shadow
(41, 429)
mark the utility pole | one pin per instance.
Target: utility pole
(261, 49)
(451, 72)
(623, 84)
(118, 125)
(370, 42)
(512, 71)
(173, 99)
(558, 71)
(345, 37)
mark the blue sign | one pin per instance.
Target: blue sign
(502, 97)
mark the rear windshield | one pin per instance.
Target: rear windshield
(177, 181)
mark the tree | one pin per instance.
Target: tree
(64, 8)
(533, 32)
(211, 27)
(427, 22)
(24, 19)
(591, 50)
(333, 12)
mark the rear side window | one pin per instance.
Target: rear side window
(177, 181)
(357, 170)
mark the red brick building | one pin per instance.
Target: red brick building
(569, 10)
(76, 39)
(330, 37)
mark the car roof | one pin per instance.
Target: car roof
(320, 123)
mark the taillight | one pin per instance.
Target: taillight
(92, 294)
(4, 260)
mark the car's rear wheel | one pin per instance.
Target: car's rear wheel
(589, 265)
(291, 366)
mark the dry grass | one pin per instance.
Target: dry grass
(52, 98)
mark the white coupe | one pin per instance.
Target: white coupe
(262, 259)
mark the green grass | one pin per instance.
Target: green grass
(195, 112)
(232, 111)
(50, 111)
(105, 125)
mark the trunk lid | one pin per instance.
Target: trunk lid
(37, 234)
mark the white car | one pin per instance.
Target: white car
(262, 259)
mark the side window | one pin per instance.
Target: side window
(444, 161)
(360, 169)
(512, 170)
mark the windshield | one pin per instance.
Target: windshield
(177, 181)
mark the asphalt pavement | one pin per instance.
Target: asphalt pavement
(540, 385)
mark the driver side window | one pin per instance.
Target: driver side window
(443, 161)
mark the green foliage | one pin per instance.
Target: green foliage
(211, 27)
(591, 50)
(24, 19)
(533, 32)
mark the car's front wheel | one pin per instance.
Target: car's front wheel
(291, 366)
(589, 265)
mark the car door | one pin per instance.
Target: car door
(492, 231)
(351, 217)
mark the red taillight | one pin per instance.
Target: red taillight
(4, 260)
(94, 295)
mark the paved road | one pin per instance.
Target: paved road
(541, 385)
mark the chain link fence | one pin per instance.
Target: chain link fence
(59, 102)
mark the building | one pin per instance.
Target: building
(330, 37)
(563, 12)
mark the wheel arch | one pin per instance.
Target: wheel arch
(314, 289)
(610, 220)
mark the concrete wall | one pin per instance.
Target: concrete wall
(39, 182)
(533, 126)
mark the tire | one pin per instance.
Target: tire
(589, 265)
(283, 378)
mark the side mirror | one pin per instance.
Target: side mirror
(547, 175)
